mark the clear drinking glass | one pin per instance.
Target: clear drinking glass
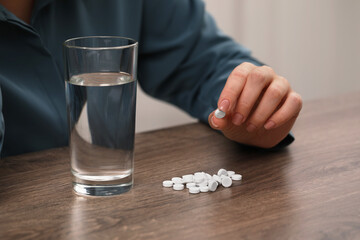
(100, 76)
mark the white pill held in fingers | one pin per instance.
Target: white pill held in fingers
(236, 177)
(178, 187)
(194, 190)
(213, 185)
(177, 180)
(189, 185)
(167, 183)
(222, 172)
(204, 189)
(219, 113)
(226, 181)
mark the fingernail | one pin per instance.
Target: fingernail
(237, 119)
(250, 128)
(224, 105)
(212, 122)
(269, 125)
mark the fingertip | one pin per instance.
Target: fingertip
(238, 119)
(217, 123)
(212, 122)
(224, 105)
(269, 125)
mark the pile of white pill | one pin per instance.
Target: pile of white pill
(203, 182)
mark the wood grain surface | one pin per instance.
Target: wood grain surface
(310, 190)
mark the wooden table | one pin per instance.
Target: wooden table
(310, 190)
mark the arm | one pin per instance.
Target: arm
(186, 60)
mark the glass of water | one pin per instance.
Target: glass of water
(100, 76)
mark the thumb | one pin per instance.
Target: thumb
(217, 123)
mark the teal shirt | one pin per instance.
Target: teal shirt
(184, 59)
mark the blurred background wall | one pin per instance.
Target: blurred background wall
(315, 44)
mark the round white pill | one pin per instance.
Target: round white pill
(177, 180)
(230, 173)
(219, 113)
(208, 176)
(199, 173)
(222, 172)
(194, 190)
(178, 186)
(167, 183)
(226, 181)
(189, 185)
(236, 177)
(213, 185)
(216, 178)
(188, 178)
(198, 178)
(204, 189)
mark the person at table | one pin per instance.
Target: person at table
(184, 59)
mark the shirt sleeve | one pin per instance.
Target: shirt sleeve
(185, 59)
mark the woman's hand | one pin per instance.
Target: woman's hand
(260, 106)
